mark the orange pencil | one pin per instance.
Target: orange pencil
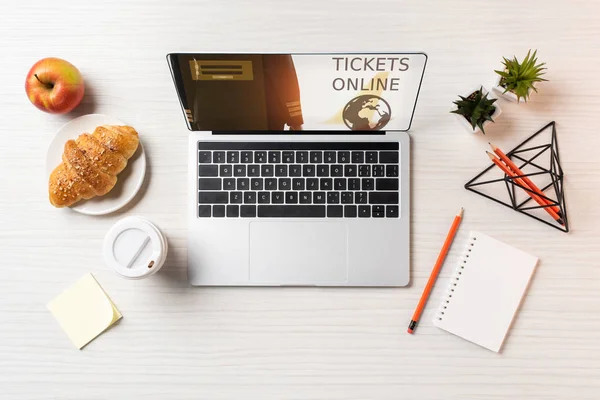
(520, 181)
(526, 179)
(435, 272)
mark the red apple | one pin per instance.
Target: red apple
(54, 85)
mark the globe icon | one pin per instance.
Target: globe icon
(367, 113)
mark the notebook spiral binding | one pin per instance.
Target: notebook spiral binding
(455, 280)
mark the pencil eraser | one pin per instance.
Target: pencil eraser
(411, 326)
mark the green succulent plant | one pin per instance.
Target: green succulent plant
(476, 108)
(519, 78)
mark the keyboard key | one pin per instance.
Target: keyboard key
(337, 170)
(212, 197)
(281, 170)
(388, 157)
(295, 170)
(391, 211)
(378, 211)
(343, 157)
(339, 184)
(260, 157)
(387, 184)
(291, 197)
(229, 184)
(239, 170)
(333, 197)
(253, 170)
(264, 197)
(235, 197)
(285, 184)
(248, 211)
(256, 184)
(350, 170)
(350, 211)
(271, 184)
(312, 184)
(347, 198)
(316, 157)
(266, 170)
(364, 170)
(358, 157)
(354, 184)
(302, 157)
(305, 197)
(204, 211)
(391, 171)
(371, 157)
(243, 184)
(209, 184)
(364, 211)
(360, 198)
(218, 211)
(249, 197)
(329, 157)
(323, 170)
(208, 170)
(233, 157)
(291, 211)
(274, 157)
(383, 197)
(225, 170)
(378, 171)
(326, 184)
(247, 157)
(319, 197)
(335, 211)
(204, 157)
(218, 157)
(300, 146)
(368, 183)
(233, 211)
(308, 170)
(287, 157)
(277, 197)
(298, 184)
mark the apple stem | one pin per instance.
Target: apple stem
(48, 85)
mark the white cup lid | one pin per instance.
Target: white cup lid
(134, 248)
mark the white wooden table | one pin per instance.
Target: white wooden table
(180, 342)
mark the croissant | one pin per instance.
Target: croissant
(90, 164)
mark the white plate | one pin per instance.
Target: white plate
(129, 180)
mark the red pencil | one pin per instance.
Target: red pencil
(526, 179)
(520, 181)
(435, 272)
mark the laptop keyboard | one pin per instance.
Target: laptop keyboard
(298, 180)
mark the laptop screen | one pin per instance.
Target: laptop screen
(298, 92)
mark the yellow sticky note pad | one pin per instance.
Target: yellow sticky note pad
(84, 311)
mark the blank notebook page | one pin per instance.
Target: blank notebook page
(485, 291)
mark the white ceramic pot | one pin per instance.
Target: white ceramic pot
(499, 90)
(463, 121)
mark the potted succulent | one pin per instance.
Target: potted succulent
(517, 79)
(476, 110)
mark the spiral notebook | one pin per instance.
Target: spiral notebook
(485, 291)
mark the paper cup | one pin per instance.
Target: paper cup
(135, 248)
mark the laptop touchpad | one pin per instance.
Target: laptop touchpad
(298, 253)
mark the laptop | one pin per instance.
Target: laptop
(298, 167)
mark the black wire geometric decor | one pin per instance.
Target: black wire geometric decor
(539, 161)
